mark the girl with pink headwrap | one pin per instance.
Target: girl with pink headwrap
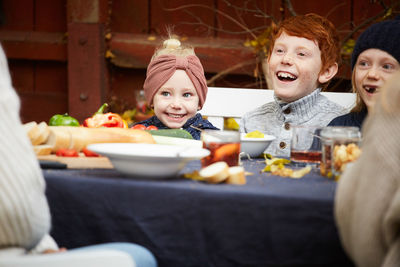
(176, 88)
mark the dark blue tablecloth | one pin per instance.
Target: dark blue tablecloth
(270, 221)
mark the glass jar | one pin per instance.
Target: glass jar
(340, 145)
(223, 146)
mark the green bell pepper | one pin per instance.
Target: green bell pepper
(63, 120)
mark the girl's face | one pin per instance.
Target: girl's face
(372, 69)
(293, 69)
(176, 101)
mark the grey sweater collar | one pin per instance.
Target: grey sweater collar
(301, 110)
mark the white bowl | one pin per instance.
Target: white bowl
(255, 146)
(148, 160)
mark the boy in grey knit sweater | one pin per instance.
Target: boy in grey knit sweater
(302, 59)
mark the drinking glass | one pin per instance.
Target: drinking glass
(305, 145)
(223, 146)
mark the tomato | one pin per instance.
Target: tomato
(143, 127)
(89, 153)
(64, 152)
(151, 127)
(139, 127)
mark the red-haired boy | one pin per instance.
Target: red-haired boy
(302, 59)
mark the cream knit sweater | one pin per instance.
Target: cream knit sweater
(367, 205)
(24, 212)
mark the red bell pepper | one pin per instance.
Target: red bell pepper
(105, 120)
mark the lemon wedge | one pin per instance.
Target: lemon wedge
(254, 134)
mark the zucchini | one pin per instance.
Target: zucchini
(172, 133)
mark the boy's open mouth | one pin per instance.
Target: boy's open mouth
(286, 76)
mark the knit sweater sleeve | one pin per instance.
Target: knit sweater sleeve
(24, 211)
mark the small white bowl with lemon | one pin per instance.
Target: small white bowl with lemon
(254, 143)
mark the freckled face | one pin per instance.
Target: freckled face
(176, 101)
(372, 69)
(293, 67)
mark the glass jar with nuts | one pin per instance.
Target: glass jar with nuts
(340, 145)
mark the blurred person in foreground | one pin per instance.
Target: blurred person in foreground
(367, 203)
(24, 211)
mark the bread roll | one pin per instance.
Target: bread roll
(42, 150)
(79, 137)
(31, 129)
(43, 134)
(59, 137)
(236, 175)
(215, 173)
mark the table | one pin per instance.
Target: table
(270, 221)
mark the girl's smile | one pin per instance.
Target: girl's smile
(176, 101)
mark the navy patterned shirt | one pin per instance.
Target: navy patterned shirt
(196, 121)
(350, 119)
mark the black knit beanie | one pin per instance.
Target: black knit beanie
(384, 35)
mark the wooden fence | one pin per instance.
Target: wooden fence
(72, 55)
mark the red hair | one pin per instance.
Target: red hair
(315, 28)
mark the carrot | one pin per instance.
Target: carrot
(225, 150)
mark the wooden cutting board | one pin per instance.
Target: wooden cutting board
(81, 162)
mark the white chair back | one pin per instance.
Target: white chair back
(235, 102)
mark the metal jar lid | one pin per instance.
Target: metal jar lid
(340, 133)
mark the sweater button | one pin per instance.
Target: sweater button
(282, 145)
(287, 126)
(287, 111)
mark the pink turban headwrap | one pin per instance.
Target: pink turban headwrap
(163, 67)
